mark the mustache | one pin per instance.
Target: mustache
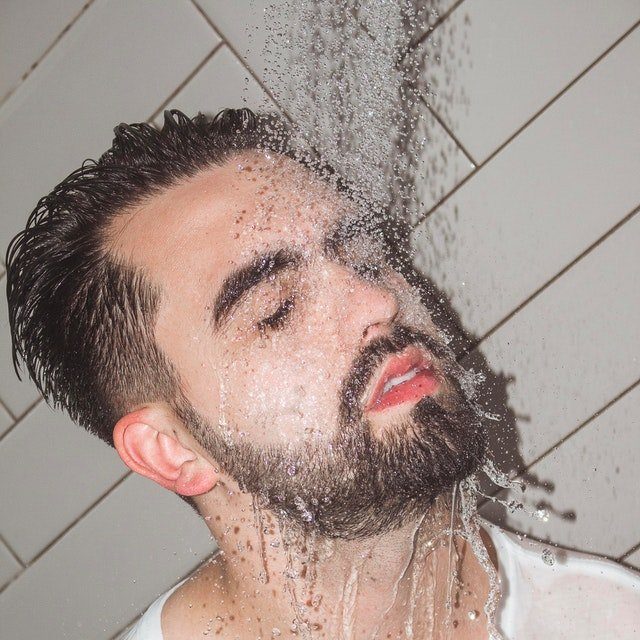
(370, 358)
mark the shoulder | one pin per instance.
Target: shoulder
(149, 626)
(557, 589)
(197, 603)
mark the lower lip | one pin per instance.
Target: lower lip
(422, 384)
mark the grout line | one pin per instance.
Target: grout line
(241, 59)
(6, 408)
(524, 126)
(451, 134)
(186, 80)
(47, 51)
(77, 519)
(21, 417)
(594, 245)
(566, 437)
(70, 526)
(431, 28)
(16, 557)
(626, 554)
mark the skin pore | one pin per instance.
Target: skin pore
(272, 386)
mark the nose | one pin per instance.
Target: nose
(367, 308)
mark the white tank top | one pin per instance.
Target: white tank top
(577, 597)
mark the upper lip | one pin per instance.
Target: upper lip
(397, 365)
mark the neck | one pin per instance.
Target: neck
(417, 581)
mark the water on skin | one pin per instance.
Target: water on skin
(352, 101)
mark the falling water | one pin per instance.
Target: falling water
(349, 77)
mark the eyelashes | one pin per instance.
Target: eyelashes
(373, 271)
(277, 320)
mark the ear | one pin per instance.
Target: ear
(149, 443)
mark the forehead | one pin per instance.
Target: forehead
(226, 215)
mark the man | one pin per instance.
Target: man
(230, 317)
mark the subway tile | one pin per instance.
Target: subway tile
(134, 545)
(525, 215)
(67, 108)
(493, 65)
(27, 30)
(52, 472)
(442, 165)
(9, 566)
(571, 350)
(222, 82)
(587, 484)
(246, 27)
(16, 394)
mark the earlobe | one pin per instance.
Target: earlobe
(162, 457)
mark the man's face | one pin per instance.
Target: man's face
(281, 316)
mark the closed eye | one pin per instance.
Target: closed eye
(278, 319)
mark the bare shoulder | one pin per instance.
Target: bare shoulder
(195, 606)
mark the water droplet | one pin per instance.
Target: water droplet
(542, 514)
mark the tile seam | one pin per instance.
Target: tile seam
(602, 410)
(475, 344)
(528, 123)
(47, 51)
(240, 59)
(186, 81)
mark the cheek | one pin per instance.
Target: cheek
(286, 393)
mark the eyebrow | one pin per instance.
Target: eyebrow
(237, 285)
(240, 281)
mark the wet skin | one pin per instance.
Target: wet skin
(272, 383)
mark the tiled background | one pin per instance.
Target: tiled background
(529, 225)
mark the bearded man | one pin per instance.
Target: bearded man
(233, 319)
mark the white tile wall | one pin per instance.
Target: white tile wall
(110, 566)
(526, 214)
(46, 460)
(244, 27)
(67, 108)
(443, 164)
(566, 366)
(26, 32)
(222, 82)
(512, 226)
(502, 61)
(588, 481)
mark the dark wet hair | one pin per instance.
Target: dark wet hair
(83, 320)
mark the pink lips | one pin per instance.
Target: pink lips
(424, 382)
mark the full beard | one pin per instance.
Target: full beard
(356, 485)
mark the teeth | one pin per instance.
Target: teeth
(394, 382)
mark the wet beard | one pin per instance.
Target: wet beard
(365, 486)
(358, 486)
